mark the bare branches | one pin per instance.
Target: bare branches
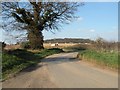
(34, 17)
(41, 15)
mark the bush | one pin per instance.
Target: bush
(2, 45)
(102, 45)
(25, 45)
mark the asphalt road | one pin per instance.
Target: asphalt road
(68, 72)
(64, 71)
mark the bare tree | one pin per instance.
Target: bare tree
(38, 16)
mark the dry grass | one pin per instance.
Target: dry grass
(9, 47)
(46, 45)
(60, 45)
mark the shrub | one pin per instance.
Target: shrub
(2, 45)
(102, 45)
(25, 45)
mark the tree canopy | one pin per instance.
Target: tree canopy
(38, 16)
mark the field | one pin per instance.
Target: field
(9, 47)
(46, 45)
(60, 45)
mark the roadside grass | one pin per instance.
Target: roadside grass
(14, 61)
(75, 48)
(100, 58)
(47, 52)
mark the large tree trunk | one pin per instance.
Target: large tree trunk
(35, 38)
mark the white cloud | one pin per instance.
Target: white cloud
(92, 30)
(80, 18)
(115, 27)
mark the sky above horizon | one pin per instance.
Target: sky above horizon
(96, 19)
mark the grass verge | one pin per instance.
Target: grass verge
(100, 58)
(75, 48)
(16, 60)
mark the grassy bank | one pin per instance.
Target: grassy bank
(100, 58)
(75, 48)
(16, 60)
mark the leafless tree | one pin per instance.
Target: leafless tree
(38, 16)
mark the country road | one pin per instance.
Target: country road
(63, 71)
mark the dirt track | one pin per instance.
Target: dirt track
(63, 71)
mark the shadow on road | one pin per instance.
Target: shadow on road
(32, 68)
(58, 60)
(63, 58)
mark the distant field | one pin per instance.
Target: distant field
(46, 45)
(60, 45)
(12, 47)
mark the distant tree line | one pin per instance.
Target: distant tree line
(68, 40)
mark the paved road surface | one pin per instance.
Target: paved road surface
(64, 71)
